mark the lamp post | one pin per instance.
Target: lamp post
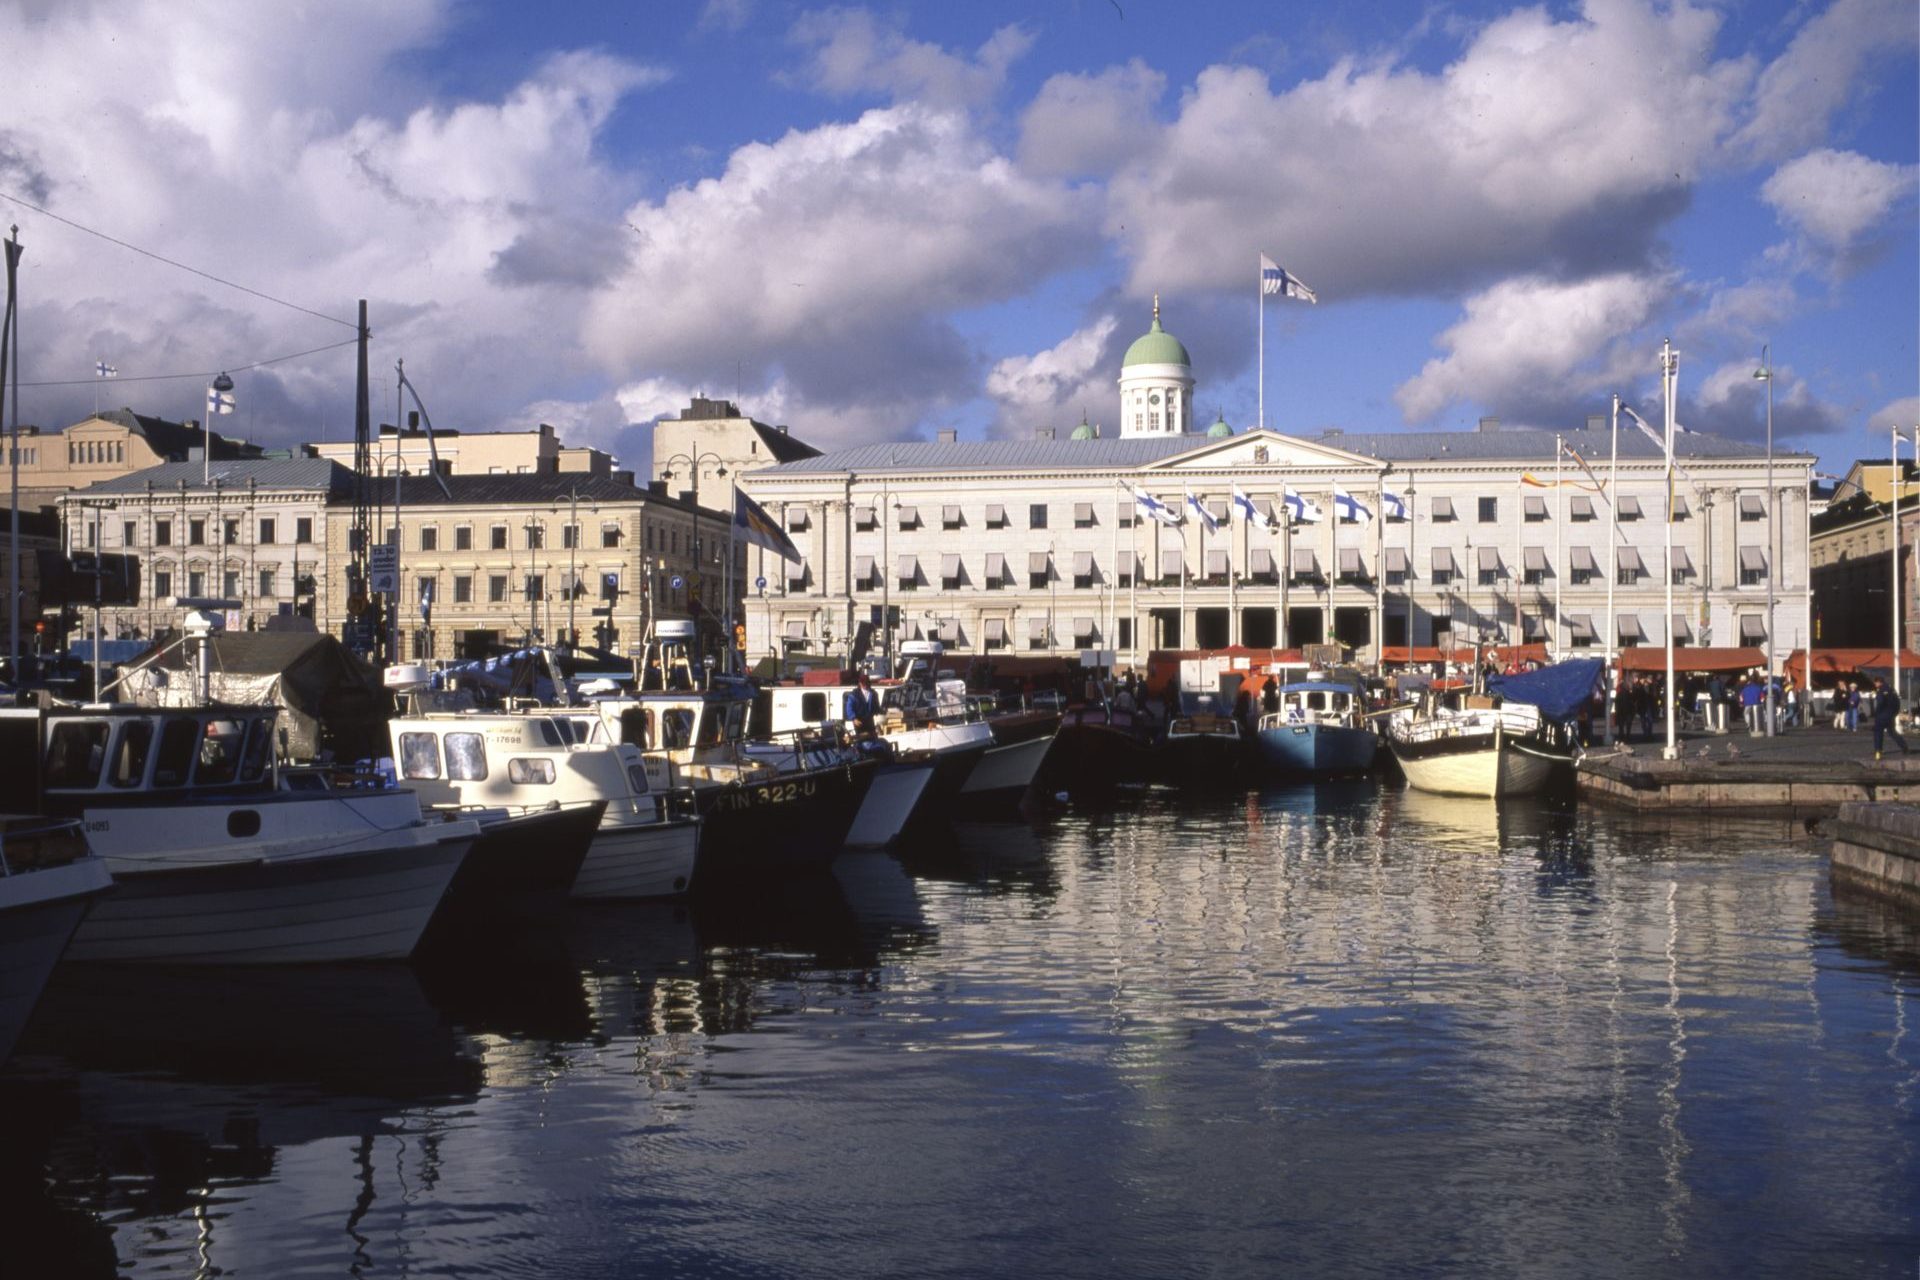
(693, 463)
(1765, 374)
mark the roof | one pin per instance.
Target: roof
(782, 447)
(174, 439)
(1532, 446)
(519, 488)
(264, 473)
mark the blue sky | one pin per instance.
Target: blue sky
(871, 223)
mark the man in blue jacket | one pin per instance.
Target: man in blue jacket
(1886, 708)
(860, 706)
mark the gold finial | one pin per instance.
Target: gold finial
(1156, 311)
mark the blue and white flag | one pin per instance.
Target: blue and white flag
(105, 370)
(1350, 508)
(1250, 513)
(218, 402)
(1200, 509)
(751, 523)
(1302, 508)
(1275, 278)
(1154, 509)
(1395, 504)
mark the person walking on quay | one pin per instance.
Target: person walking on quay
(1886, 709)
(1750, 701)
(859, 707)
(1648, 698)
(1853, 706)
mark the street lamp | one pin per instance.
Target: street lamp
(573, 558)
(693, 464)
(1765, 374)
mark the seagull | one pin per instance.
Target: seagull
(1733, 749)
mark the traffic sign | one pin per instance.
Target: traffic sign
(383, 569)
(677, 582)
(760, 583)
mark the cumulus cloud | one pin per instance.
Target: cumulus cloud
(1821, 70)
(1526, 332)
(1731, 402)
(1072, 377)
(832, 258)
(1901, 415)
(1080, 124)
(1837, 197)
(1555, 146)
(850, 51)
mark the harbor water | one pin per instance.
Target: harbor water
(1328, 1030)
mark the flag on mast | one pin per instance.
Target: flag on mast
(751, 523)
(1275, 278)
(1154, 509)
(1350, 508)
(1251, 514)
(1206, 516)
(1395, 504)
(105, 370)
(1302, 508)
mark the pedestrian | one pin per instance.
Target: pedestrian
(859, 706)
(1649, 703)
(1853, 706)
(1750, 693)
(1270, 696)
(1886, 709)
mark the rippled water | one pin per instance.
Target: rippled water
(1315, 1031)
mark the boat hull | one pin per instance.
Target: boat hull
(1202, 760)
(1001, 780)
(520, 865)
(640, 859)
(1094, 756)
(792, 821)
(890, 804)
(1316, 749)
(41, 911)
(1482, 765)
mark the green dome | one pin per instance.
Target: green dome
(1219, 430)
(1082, 432)
(1156, 346)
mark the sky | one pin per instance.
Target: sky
(871, 223)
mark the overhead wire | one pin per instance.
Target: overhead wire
(170, 377)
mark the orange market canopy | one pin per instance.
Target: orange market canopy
(1654, 658)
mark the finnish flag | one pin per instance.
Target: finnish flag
(1154, 509)
(1206, 516)
(1250, 513)
(1301, 508)
(1350, 508)
(1275, 278)
(1395, 504)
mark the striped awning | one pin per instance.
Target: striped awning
(1216, 563)
(796, 519)
(1350, 562)
(909, 517)
(1443, 508)
(1536, 507)
(1443, 560)
(796, 629)
(1037, 628)
(996, 566)
(863, 517)
(1083, 564)
(1682, 562)
(1172, 564)
(950, 565)
(1630, 560)
(1036, 562)
(1489, 559)
(1680, 509)
(909, 568)
(1582, 508)
(1580, 625)
(1583, 560)
(950, 631)
(1259, 562)
(1083, 513)
(796, 572)
(1753, 628)
(1753, 559)
(1751, 508)
(996, 515)
(1535, 559)
(1082, 629)
(1682, 629)
(1628, 625)
(996, 630)
(863, 568)
(1216, 507)
(1629, 507)
(1305, 563)
(950, 517)
(1396, 559)
(1533, 626)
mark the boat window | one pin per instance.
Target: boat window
(676, 728)
(525, 771)
(713, 727)
(178, 738)
(1317, 701)
(636, 726)
(419, 755)
(813, 707)
(466, 757)
(130, 756)
(75, 754)
(550, 734)
(637, 779)
(253, 762)
(220, 752)
(583, 730)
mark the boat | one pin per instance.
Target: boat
(49, 878)
(1203, 744)
(1508, 741)
(1320, 729)
(646, 842)
(1101, 748)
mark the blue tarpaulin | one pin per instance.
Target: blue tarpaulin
(1559, 690)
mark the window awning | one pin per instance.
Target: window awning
(1682, 562)
(863, 517)
(796, 519)
(949, 565)
(1172, 565)
(1216, 507)
(1753, 628)
(1259, 561)
(1680, 509)
(949, 515)
(1751, 508)
(1682, 630)
(1396, 559)
(1628, 625)
(796, 630)
(1037, 628)
(909, 517)
(1443, 508)
(1082, 628)
(1442, 560)
(1083, 513)
(909, 568)
(1583, 560)
(996, 566)
(1305, 562)
(1216, 563)
(1753, 558)
(1582, 507)
(1083, 564)
(1036, 562)
(1123, 513)
(950, 630)
(1536, 507)
(1629, 507)
(796, 572)
(996, 630)
(1265, 507)
(996, 514)
(1630, 560)
(1580, 625)
(1489, 559)
(863, 567)
(1350, 562)
(1533, 626)
(1535, 559)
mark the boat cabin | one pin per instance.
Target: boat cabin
(517, 760)
(100, 754)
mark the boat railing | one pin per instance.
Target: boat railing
(1517, 720)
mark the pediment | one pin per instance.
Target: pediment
(1258, 451)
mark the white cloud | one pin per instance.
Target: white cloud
(1837, 197)
(725, 15)
(1091, 124)
(1900, 415)
(1074, 376)
(1547, 145)
(1799, 93)
(851, 52)
(1526, 332)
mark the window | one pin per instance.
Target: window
(1752, 508)
(496, 588)
(1039, 565)
(196, 582)
(463, 537)
(536, 537)
(196, 533)
(130, 756)
(1037, 516)
(462, 588)
(162, 582)
(269, 533)
(497, 538)
(129, 530)
(1489, 510)
(609, 535)
(220, 752)
(466, 757)
(419, 755)
(1442, 577)
(232, 532)
(1125, 638)
(424, 589)
(1753, 566)
(536, 586)
(303, 529)
(163, 533)
(75, 753)
(422, 644)
(267, 583)
(569, 537)
(527, 771)
(1083, 515)
(178, 738)
(813, 707)
(429, 537)
(230, 583)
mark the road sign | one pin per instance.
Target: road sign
(760, 583)
(383, 569)
(676, 582)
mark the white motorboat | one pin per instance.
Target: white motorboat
(1509, 750)
(48, 880)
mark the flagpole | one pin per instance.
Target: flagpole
(1613, 572)
(9, 348)
(1806, 533)
(1113, 603)
(1669, 375)
(1286, 564)
(1260, 293)
(1559, 540)
(1380, 566)
(1895, 445)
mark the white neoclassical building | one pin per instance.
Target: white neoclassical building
(1423, 538)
